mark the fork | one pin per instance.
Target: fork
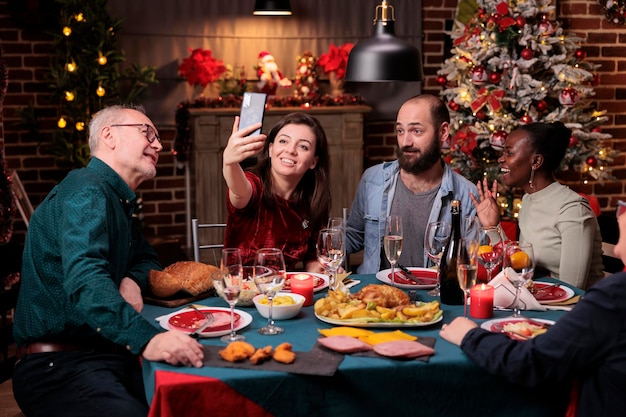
(208, 316)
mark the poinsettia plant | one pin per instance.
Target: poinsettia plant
(201, 68)
(336, 60)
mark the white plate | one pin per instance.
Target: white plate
(319, 287)
(431, 274)
(244, 320)
(357, 323)
(568, 293)
(489, 324)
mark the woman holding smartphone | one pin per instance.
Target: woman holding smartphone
(284, 200)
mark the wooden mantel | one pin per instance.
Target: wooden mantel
(211, 129)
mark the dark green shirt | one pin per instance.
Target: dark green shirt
(81, 243)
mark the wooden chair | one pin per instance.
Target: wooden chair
(214, 233)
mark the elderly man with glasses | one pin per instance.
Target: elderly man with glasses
(78, 327)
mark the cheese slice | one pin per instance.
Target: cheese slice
(345, 331)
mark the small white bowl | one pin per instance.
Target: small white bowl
(280, 312)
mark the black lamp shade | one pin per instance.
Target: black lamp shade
(384, 57)
(272, 8)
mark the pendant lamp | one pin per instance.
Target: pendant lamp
(272, 8)
(384, 57)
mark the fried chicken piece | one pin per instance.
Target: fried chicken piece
(284, 354)
(383, 295)
(237, 351)
(261, 355)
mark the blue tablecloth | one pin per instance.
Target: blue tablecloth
(449, 384)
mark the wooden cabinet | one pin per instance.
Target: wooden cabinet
(212, 127)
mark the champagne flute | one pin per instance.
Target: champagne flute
(331, 250)
(467, 267)
(335, 223)
(518, 265)
(269, 277)
(227, 281)
(435, 241)
(392, 242)
(490, 249)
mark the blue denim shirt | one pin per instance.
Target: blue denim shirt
(366, 225)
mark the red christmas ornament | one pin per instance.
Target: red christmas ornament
(526, 119)
(442, 80)
(597, 129)
(542, 105)
(595, 81)
(520, 21)
(580, 54)
(527, 54)
(480, 115)
(592, 161)
(568, 97)
(497, 139)
(495, 77)
(492, 21)
(454, 106)
(481, 13)
(479, 75)
(573, 141)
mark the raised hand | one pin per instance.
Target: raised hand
(487, 208)
(240, 146)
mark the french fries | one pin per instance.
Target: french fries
(338, 305)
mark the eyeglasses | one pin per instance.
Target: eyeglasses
(621, 208)
(150, 133)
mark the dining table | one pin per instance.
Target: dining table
(447, 383)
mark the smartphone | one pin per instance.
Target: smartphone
(252, 110)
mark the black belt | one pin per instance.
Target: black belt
(48, 347)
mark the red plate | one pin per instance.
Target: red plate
(549, 293)
(318, 282)
(424, 277)
(190, 321)
(498, 326)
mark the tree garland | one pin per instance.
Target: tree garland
(182, 141)
(7, 204)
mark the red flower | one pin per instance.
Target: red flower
(201, 68)
(336, 60)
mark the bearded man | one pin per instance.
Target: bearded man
(418, 187)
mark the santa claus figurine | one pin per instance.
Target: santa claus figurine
(269, 75)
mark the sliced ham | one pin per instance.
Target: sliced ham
(344, 344)
(403, 349)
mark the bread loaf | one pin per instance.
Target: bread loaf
(189, 276)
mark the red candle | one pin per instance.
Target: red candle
(481, 301)
(303, 284)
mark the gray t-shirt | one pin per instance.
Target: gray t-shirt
(414, 210)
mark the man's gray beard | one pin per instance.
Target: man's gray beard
(423, 163)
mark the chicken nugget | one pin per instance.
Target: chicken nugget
(284, 354)
(237, 351)
(261, 355)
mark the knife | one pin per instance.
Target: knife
(199, 330)
(408, 273)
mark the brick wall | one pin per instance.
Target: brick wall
(27, 54)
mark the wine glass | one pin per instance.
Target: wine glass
(227, 281)
(490, 249)
(269, 277)
(467, 267)
(518, 265)
(392, 242)
(435, 241)
(331, 250)
(335, 223)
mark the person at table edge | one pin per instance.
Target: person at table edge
(558, 222)
(78, 327)
(586, 347)
(418, 186)
(284, 200)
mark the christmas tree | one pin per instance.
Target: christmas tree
(85, 74)
(513, 64)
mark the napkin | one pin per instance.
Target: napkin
(504, 294)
